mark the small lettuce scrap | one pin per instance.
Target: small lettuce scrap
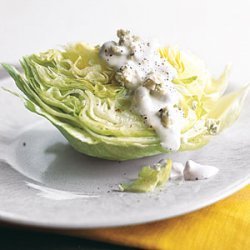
(79, 95)
(149, 178)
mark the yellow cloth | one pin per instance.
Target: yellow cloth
(224, 225)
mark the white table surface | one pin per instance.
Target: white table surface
(216, 30)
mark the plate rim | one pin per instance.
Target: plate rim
(62, 226)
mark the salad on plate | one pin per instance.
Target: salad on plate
(128, 99)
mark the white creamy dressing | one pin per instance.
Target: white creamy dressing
(140, 68)
(177, 170)
(195, 171)
(192, 171)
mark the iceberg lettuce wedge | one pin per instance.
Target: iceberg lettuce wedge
(78, 94)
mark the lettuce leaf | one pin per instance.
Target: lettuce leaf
(149, 178)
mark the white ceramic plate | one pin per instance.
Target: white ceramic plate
(44, 182)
